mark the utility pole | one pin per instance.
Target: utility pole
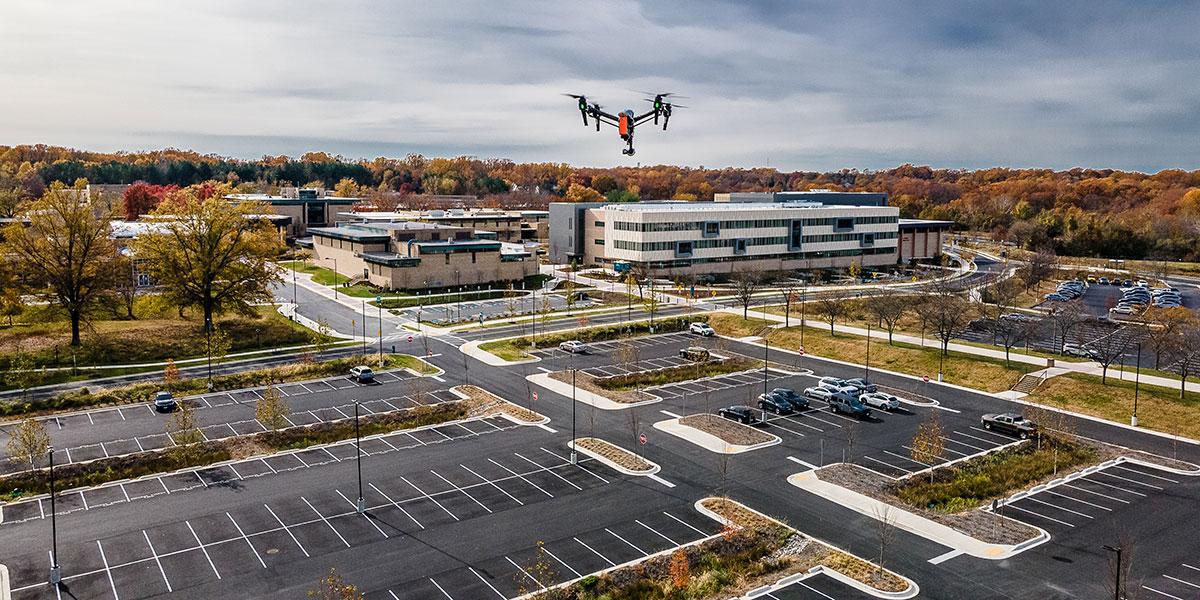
(573, 403)
(364, 330)
(458, 284)
(335, 279)
(55, 571)
(362, 506)
(379, 305)
(1117, 587)
(803, 294)
(208, 337)
(766, 350)
(1137, 378)
(293, 285)
(867, 371)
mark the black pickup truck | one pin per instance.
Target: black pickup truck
(1010, 423)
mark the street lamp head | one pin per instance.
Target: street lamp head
(1112, 548)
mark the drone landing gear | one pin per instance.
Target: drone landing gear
(627, 152)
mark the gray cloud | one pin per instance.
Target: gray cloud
(803, 85)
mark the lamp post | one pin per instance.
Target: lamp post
(335, 279)
(362, 506)
(1137, 377)
(379, 305)
(364, 321)
(293, 284)
(803, 293)
(208, 338)
(458, 303)
(55, 571)
(1117, 587)
(867, 369)
(766, 350)
(573, 442)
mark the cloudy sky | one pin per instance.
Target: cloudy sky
(793, 85)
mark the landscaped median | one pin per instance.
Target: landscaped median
(143, 392)
(485, 402)
(165, 460)
(516, 349)
(614, 456)
(717, 434)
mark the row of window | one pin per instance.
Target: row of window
(790, 256)
(712, 227)
(847, 237)
(867, 238)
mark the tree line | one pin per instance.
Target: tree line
(1079, 212)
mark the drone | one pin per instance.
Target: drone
(627, 121)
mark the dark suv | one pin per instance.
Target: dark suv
(740, 413)
(774, 403)
(790, 396)
(841, 403)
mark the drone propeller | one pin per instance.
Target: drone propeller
(583, 106)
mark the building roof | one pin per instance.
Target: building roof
(351, 233)
(283, 200)
(683, 206)
(925, 223)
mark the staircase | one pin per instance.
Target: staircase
(1028, 382)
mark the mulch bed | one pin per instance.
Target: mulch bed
(615, 453)
(587, 382)
(978, 524)
(485, 403)
(729, 431)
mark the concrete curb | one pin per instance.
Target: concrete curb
(544, 419)
(5, 584)
(709, 441)
(913, 523)
(591, 399)
(473, 350)
(654, 467)
(911, 591)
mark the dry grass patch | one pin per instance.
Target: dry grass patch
(615, 453)
(728, 431)
(484, 402)
(1159, 408)
(587, 382)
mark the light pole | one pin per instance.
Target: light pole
(867, 369)
(208, 338)
(362, 506)
(379, 305)
(573, 442)
(1117, 587)
(766, 350)
(803, 294)
(55, 572)
(293, 284)
(364, 320)
(1137, 377)
(335, 279)
(458, 302)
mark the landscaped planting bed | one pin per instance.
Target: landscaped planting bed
(205, 453)
(698, 370)
(485, 402)
(587, 382)
(728, 431)
(517, 348)
(143, 392)
(615, 453)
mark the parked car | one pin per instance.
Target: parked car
(1121, 310)
(362, 374)
(847, 404)
(1127, 282)
(695, 353)
(1103, 281)
(573, 347)
(740, 413)
(164, 401)
(789, 395)
(880, 400)
(779, 406)
(1010, 423)
(703, 329)
(863, 385)
(818, 393)
(831, 383)
(1055, 297)
(1073, 349)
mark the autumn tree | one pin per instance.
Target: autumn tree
(28, 442)
(680, 569)
(12, 303)
(1039, 268)
(272, 410)
(334, 587)
(170, 372)
(211, 253)
(141, 198)
(67, 248)
(581, 193)
(183, 429)
(928, 444)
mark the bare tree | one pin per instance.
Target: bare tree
(745, 283)
(888, 307)
(1185, 351)
(1010, 332)
(998, 299)
(1164, 322)
(831, 306)
(928, 444)
(28, 442)
(789, 288)
(885, 534)
(183, 429)
(1040, 267)
(1066, 316)
(1107, 349)
(948, 313)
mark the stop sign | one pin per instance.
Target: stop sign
(926, 378)
(410, 339)
(535, 396)
(642, 439)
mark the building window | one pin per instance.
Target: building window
(712, 228)
(844, 224)
(599, 223)
(683, 248)
(739, 246)
(447, 255)
(868, 239)
(599, 242)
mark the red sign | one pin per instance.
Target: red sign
(801, 351)
(642, 439)
(535, 396)
(926, 378)
(410, 339)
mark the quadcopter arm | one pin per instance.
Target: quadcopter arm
(642, 118)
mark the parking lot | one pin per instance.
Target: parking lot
(452, 312)
(1182, 582)
(817, 587)
(609, 348)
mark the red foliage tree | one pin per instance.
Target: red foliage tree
(142, 197)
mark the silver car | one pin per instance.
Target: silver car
(880, 400)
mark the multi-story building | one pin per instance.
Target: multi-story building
(823, 196)
(505, 226)
(411, 255)
(720, 238)
(307, 207)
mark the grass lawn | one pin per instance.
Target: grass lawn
(959, 368)
(1159, 408)
(676, 374)
(154, 338)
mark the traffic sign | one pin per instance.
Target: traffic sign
(535, 396)
(642, 439)
(925, 378)
(410, 339)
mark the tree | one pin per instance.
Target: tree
(1041, 266)
(789, 289)
(125, 284)
(745, 283)
(928, 444)
(1164, 322)
(319, 338)
(1009, 333)
(1107, 349)
(998, 299)
(831, 306)
(1066, 316)
(211, 253)
(1184, 350)
(888, 307)
(570, 296)
(885, 534)
(680, 569)
(11, 301)
(949, 313)
(170, 372)
(334, 587)
(854, 270)
(347, 188)
(22, 372)
(582, 193)
(272, 410)
(141, 198)
(28, 442)
(67, 249)
(182, 428)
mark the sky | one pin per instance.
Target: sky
(801, 85)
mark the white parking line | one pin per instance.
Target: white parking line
(202, 549)
(887, 464)
(626, 541)
(1164, 594)
(602, 557)
(448, 596)
(1055, 506)
(522, 478)
(1153, 487)
(1123, 468)
(900, 456)
(551, 471)
(1039, 515)
(521, 569)
(657, 532)
(243, 534)
(560, 561)
(1101, 507)
(287, 530)
(485, 582)
(492, 483)
(108, 572)
(322, 517)
(158, 562)
(962, 443)
(422, 492)
(975, 437)
(578, 463)
(685, 523)
(464, 492)
(1187, 583)
(1109, 485)
(364, 514)
(396, 504)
